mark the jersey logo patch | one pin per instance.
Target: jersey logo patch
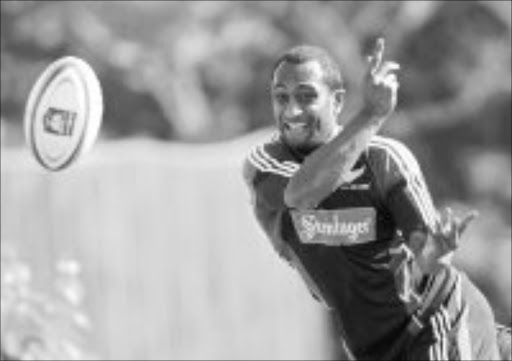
(345, 227)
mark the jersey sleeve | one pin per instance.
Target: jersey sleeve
(406, 194)
(266, 178)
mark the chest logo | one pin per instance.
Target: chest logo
(343, 227)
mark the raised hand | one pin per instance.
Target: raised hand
(380, 84)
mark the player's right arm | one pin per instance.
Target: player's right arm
(331, 165)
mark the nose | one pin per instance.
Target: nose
(292, 110)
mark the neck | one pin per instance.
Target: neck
(302, 152)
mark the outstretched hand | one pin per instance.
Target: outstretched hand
(380, 84)
(437, 248)
(449, 229)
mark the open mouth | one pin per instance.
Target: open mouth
(296, 126)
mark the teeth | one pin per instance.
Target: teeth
(296, 126)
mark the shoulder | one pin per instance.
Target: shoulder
(267, 169)
(384, 146)
(268, 158)
(391, 154)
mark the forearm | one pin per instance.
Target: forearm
(331, 164)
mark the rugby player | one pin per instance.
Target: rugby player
(351, 212)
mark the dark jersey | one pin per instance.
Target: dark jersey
(346, 248)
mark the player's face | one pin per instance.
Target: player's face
(304, 106)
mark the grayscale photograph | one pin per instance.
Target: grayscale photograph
(256, 180)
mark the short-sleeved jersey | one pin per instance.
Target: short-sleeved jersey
(346, 246)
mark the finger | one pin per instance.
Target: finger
(390, 80)
(468, 218)
(387, 67)
(438, 224)
(441, 220)
(392, 85)
(447, 221)
(376, 56)
(370, 60)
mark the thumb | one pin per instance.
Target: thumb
(468, 218)
(376, 55)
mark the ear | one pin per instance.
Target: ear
(338, 101)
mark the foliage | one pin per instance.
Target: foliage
(39, 325)
(200, 70)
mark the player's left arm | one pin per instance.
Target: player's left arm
(432, 236)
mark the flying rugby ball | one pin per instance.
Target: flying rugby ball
(63, 113)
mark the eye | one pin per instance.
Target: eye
(281, 98)
(307, 97)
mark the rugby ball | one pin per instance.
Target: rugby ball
(63, 113)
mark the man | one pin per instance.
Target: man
(351, 212)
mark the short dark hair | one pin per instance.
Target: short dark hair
(305, 53)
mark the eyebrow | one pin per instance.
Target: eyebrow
(300, 86)
(278, 85)
(307, 86)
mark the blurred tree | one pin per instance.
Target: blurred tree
(199, 71)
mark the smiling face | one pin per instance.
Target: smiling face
(305, 107)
